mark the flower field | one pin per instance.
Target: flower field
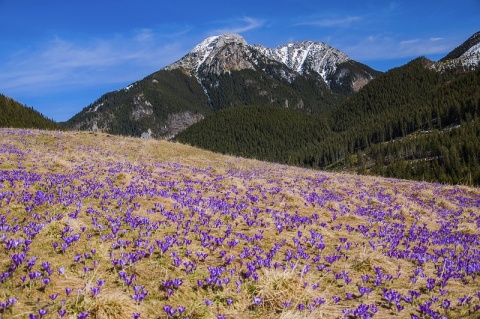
(99, 226)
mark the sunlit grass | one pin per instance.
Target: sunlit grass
(132, 227)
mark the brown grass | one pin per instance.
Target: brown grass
(186, 172)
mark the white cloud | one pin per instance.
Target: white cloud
(385, 47)
(63, 62)
(239, 26)
(409, 42)
(144, 35)
(340, 22)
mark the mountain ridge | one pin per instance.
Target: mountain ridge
(467, 47)
(300, 57)
(225, 71)
(466, 55)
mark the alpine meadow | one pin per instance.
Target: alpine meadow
(250, 182)
(142, 228)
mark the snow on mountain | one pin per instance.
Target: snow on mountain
(471, 58)
(204, 51)
(301, 57)
(307, 56)
(466, 55)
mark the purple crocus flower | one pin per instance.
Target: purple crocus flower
(42, 312)
(95, 291)
(364, 290)
(180, 309)
(83, 315)
(257, 300)
(169, 310)
(446, 304)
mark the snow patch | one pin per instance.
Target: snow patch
(95, 107)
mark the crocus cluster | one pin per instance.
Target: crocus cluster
(142, 228)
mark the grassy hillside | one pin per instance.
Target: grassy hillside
(14, 114)
(98, 226)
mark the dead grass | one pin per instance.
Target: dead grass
(203, 177)
(112, 306)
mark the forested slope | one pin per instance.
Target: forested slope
(412, 122)
(14, 114)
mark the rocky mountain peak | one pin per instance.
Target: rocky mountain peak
(218, 41)
(305, 56)
(205, 51)
(466, 55)
(468, 47)
(230, 52)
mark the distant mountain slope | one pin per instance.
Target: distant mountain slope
(392, 121)
(262, 132)
(353, 125)
(340, 73)
(165, 102)
(414, 121)
(14, 114)
(466, 55)
(466, 48)
(224, 71)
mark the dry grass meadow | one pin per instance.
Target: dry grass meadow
(101, 226)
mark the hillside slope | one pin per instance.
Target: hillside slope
(262, 132)
(14, 114)
(95, 226)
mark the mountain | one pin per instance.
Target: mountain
(17, 115)
(230, 52)
(417, 121)
(466, 55)
(467, 48)
(225, 71)
(341, 73)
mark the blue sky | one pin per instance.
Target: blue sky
(58, 56)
